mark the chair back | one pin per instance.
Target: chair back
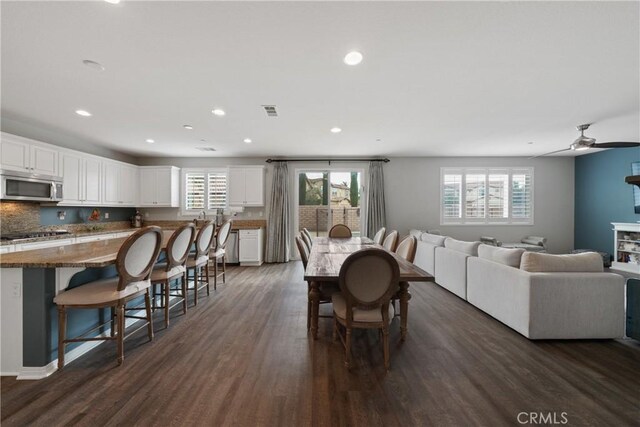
(391, 241)
(304, 252)
(307, 241)
(368, 278)
(179, 245)
(204, 239)
(379, 237)
(223, 235)
(407, 248)
(340, 230)
(137, 255)
(305, 231)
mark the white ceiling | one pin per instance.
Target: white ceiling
(438, 79)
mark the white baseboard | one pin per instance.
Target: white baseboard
(40, 372)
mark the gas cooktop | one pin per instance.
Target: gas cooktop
(32, 235)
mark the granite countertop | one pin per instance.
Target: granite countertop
(165, 225)
(88, 255)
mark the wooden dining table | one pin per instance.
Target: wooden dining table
(325, 260)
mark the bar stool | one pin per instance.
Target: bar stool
(199, 262)
(134, 263)
(219, 253)
(164, 273)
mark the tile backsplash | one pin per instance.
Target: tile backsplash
(29, 216)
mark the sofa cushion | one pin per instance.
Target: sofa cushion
(534, 240)
(547, 263)
(434, 239)
(469, 248)
(510, 257)
(415, 233)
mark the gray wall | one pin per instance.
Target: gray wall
(412, 187)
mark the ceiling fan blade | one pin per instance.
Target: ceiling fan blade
(617, 145)
(552, 152)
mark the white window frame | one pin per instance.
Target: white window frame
(510, 171)
(183, 190)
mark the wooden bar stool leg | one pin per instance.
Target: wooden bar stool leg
(347, 345)
(184, 292)
(120, 334)
(224, 268)
(215, 273)
(147, 306)
(385, 345)
(206, 278)
(195, 285)
(166, 303)
(62, 332)
(113, 321)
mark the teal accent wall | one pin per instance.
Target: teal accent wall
(77, 214)
(602, 196)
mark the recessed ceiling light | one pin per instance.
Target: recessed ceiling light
(188, 127)
(150, 141)
(113, 1)
(93, 64)
(530, 142)
(83, 113)
(248, 141)
(336, 130)
(353, 58)
(218, 112)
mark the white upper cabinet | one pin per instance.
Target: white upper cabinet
(82, 179)
(159, 186)
(120, 184)
(22, 154)
(246, 186)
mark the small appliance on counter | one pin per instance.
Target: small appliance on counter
(136, 220)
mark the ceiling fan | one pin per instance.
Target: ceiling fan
(585, 143)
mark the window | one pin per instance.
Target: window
(486, 196)
(204, 190)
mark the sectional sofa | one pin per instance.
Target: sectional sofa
(541, 296)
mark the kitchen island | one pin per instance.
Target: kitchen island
(29, 282)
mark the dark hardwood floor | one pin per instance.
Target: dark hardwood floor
(242, 357)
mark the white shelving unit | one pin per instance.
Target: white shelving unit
(626, 255)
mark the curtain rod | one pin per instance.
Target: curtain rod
(328, 160)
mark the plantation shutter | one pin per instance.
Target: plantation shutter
(521, 195)
(217, 190)
(475, 189)
(195, 191)
(451, 196)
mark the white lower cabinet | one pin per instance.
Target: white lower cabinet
(6, 249)
(95, 238)
(41, 245)
(251, 243)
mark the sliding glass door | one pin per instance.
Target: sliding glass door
(327, 198)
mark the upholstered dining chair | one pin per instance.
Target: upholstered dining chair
(220, 254)
(307, 240)
(306, 232)
(368, 279)
(391, 241)
(379, 237)
(340, 230)
(407, 248)
(165, 273)
(326, 289)
(134, 263)
(198, 262)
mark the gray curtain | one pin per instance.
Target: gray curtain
(278, 225)
(376, 213)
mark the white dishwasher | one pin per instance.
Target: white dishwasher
(232, 248)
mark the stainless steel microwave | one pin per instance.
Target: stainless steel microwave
(26, 186)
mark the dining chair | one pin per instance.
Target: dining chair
(220, 254)
(307, 240)
(175, 267)
(198, 262)
(391, 241)
(326, 289)
(368, 279)
(379, 237)
(407, 248)
(340, 230)
(134, 263)
(307, 233)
